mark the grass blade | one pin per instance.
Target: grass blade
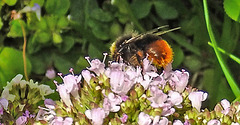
(223, 65)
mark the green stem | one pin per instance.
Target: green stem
(229, 54)
(24, 51)
(223, 65)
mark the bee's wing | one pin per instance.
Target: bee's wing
(166, 31)
(155, 31)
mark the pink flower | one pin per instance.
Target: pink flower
(50, 73)
(226, 106)
(97, 66)
(87, 76)
(21, 120)
(177, 122)
(163, 121)
(147, 67)
(144, 119)
(120, 83)
(71, 84)
(167, 110)
(179, 79)
(60, 121)
(156, 120)
(46, 114)
(112, 102)
(65, 96)
(124, 97)
(175, 98)
(187, 122)
(145, 83)
(214, 122)
(3, 105)
(158, 97)
(68, 121)
(196, 98)
(49, 103)
(124, 118)
(96, 115)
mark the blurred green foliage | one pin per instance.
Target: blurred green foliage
(69, 30)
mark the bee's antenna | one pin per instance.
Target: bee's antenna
(164, 26)
(164, 32)
(156, 29)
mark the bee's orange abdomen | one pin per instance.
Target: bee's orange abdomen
(160, 53)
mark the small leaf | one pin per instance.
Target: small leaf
(42, 24)
(10, 2)
(141, 8)
(51, 22)
(42, 36)
(57, 38)
(62, 22)
(57, 7)
(165, 11)
(100, 15)
(99, 29)
(67, 44)
(15, 28)
(121, 4)
(115, 30)
(232, 8)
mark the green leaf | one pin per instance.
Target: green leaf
(1, 23)
(67, 44)
(216, 86)
(10, 2)
(121, 6)
(62, 22)
(51, 22)
(11, 64)
(62, 64)
(39, 2)
(100, 15)
(57, 38)
(115, 30)
(42, 36)
(15, 28)
(99, 29)
(165, 11)
(42, 24)
(57, 7)
(93, 51)
(38, 63)
(193, 63)
(32, 45)
(232, 8)
(178, 56)
(81, 64)
(141, 8)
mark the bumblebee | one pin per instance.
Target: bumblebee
(134, 48)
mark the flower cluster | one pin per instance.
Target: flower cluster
(19, 100)
(122, 94)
